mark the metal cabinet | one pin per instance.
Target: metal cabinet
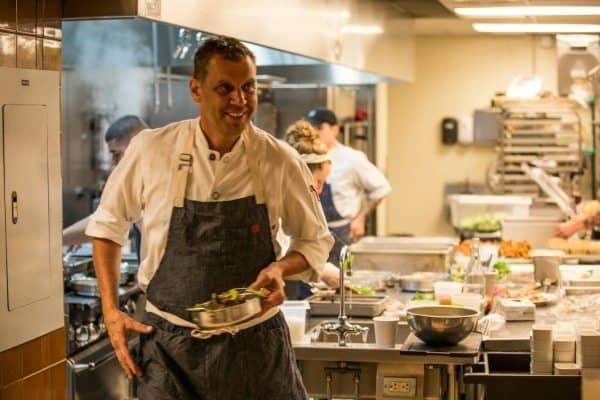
(30, 213)
(26, 203)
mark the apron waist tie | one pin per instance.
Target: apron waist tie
(338, 223)
(199, 333)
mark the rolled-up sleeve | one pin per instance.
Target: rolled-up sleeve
(121, 201)
(303, 219)
(371, 179)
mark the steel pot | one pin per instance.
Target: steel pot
(226, 316)
(420, 281)
(441, 325)
(84, 285)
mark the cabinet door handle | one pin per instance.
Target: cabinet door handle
(14, 207)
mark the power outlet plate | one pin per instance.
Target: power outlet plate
(399, 387)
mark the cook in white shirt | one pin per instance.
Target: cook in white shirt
(353, 177)
(211, 191)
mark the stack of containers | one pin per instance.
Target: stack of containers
(588, 354)
(564, 355)
(588, 349)
(541, 350)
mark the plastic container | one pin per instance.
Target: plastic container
(473, 301)
(295, 316)
(466, 205)
(447, 288)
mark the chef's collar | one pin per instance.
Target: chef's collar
(213, 154)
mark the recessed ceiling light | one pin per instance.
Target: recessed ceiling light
(536, 28)
(500, 12)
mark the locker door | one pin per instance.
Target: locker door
(26, 203)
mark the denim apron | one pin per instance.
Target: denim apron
(341, 233)
(212, 247)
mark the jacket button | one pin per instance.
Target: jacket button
(215, 195)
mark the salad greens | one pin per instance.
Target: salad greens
(423, 297)
(502, 269)
(230, 297)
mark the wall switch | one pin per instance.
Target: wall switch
(399, 387)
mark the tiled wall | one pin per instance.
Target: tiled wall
(30, 34)
(35, 370)
(31, 37)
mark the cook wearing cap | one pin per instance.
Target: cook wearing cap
(353, 189)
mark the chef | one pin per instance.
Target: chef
(354, 188)
(117, 137)
(211, 190)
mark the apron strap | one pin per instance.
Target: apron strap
(183, 169)
(250, 141)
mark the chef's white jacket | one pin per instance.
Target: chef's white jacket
(352, 177)
(144, 183)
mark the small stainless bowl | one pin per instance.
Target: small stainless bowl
(441, 325)
(226, 316)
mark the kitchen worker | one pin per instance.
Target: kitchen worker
(352, 178)
(589, 218)
(212, 190)
(117, 137)
(305, 140)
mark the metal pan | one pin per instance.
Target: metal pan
(226, 316)
(420, 281)
(85, 286)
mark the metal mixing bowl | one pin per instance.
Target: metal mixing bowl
(226, 316)
(441, 325)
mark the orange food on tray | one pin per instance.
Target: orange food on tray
(507, 248)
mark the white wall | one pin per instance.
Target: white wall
(453, 76)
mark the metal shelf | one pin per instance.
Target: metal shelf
(538, 133)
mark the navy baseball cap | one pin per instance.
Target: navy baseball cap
(318, 116)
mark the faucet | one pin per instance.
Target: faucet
(343, 328)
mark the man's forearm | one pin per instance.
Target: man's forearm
(292, 263)
(368, 208)
(107, 261)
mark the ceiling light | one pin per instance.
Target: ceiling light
(345, 14)
(536, 28)
(499, 12)
(362, 29)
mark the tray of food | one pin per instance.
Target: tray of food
(227, 308)
(356, 305)
(583, 251)
(511, 250)
(532, 292)
(581, 278)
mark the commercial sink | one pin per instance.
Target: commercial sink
(318, 336)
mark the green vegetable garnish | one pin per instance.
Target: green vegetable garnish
(233, 294)
(502, 269)
(257, 293)
(423, 297)
(360, 289)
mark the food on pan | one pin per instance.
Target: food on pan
(230, 298)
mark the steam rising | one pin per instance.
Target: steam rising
(113, 59)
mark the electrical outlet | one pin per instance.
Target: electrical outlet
(399, 387)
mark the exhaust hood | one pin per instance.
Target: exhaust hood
(303, 42)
